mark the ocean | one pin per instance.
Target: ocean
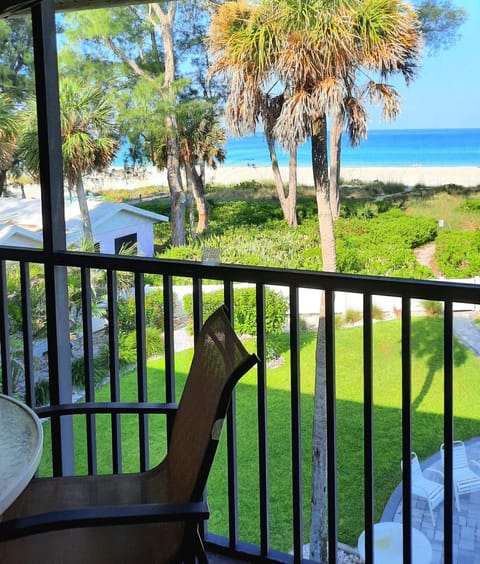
(383, 148)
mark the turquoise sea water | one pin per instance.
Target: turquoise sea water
(395, 147)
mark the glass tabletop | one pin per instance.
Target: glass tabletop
(21, 439)
(388, 544)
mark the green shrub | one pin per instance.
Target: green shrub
(276, 307)
(432, 308)
(154, 343)
(470, 206)
(458, 253)
(352, 316)
(377, 312)
(153, 311)
(42, 392)
(100, 368)
(127, 350)
(154, 316)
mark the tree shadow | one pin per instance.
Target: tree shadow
(427, 343)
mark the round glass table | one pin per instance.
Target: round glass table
(388, 544)
(21, 440)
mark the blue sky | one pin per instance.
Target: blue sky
(446, 93)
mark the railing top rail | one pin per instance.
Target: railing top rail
(375, 285)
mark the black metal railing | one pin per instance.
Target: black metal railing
(83, 266)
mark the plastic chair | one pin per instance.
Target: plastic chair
(150, 516)
(465, 480)
(424, 488)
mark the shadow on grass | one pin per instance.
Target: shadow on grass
(427, 344)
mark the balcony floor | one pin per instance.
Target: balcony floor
(466, 523)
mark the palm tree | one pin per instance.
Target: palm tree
(242, 44)
(200, 140)
(315, 51)
(89, 139)
(8, 137)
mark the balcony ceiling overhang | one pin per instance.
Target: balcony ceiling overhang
(13, 7)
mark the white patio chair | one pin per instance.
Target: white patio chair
(465, 480)
(432, 492)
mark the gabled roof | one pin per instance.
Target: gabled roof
(26, 215)
(15, 236)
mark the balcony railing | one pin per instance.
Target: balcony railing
(279, 530)
(235, 510)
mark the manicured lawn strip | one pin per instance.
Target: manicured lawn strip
(427, 421)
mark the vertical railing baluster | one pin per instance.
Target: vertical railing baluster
(296, 427)
(331, 426)
(407, 429)
(368, 425)
(262, 422)
(197, 306)
(142, 391)
(232, 458)
(114, 369)
(448, 432)
(169, 344)
(4, 332)
(27, 333)
(88, 367)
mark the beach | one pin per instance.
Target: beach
(410, 176)
(230, 175)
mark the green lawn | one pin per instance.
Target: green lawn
(427, 396)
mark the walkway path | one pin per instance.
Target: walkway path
(426, 256)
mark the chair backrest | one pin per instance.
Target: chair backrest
(219, 360)
(460, 459)
(417, 474)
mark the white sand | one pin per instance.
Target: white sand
(410, 176)
(230, 175)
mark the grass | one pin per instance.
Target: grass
(427, 421)
(447, 207)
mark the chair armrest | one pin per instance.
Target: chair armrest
(435, 471)
(103, 516)
(475, 462)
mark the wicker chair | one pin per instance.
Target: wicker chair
(151, 516)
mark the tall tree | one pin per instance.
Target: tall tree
(201, 144)
(314, 50)
(241, 43)
(139, 43)
(89, 139)
(440, 22)
(9, 125)
(16, 58)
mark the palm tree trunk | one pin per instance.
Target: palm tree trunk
(174, 178)
(198, 191)
(277, 176)
(292, 189)
(3, 182)
(84, 213)
(320, 178)
(335, 155)
(318, 525)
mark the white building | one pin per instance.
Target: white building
(113, 224)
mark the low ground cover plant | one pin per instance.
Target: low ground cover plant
(458, 253)
(253, 233)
